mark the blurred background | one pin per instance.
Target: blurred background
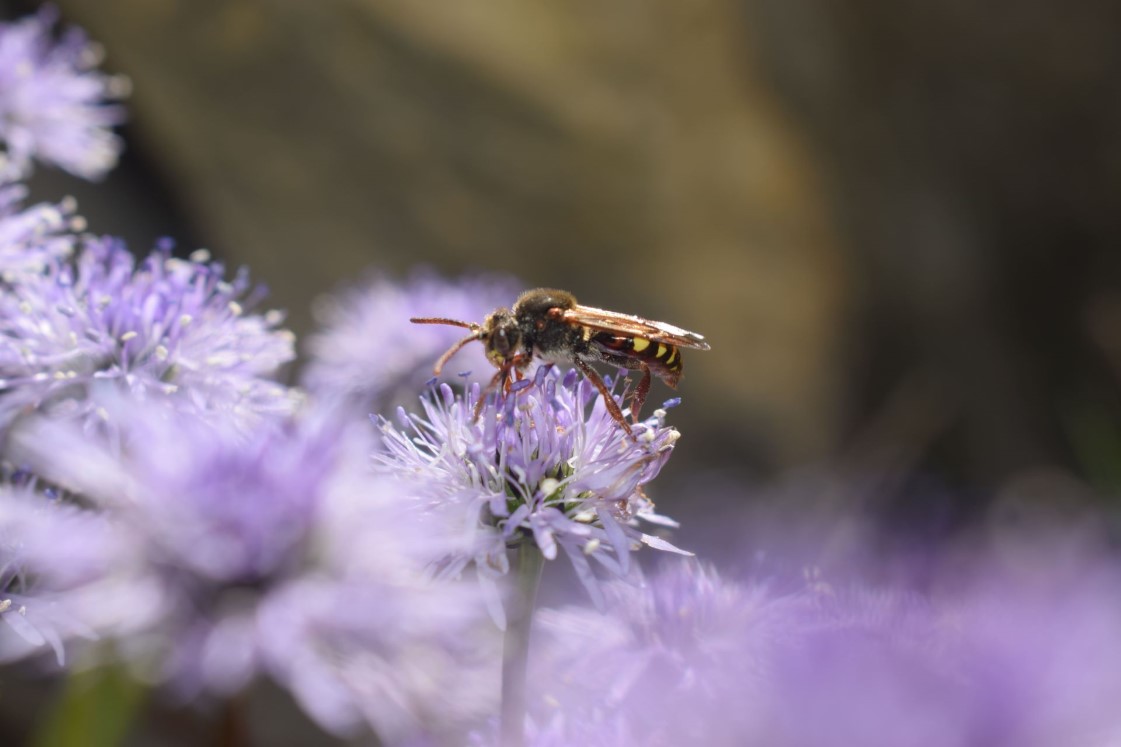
(897, 222)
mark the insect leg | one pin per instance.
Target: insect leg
(640, 392)
(503, 374)
(612, 406)
(632, 364)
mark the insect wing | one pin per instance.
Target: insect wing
(626, 325)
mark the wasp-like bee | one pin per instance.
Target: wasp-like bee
(550, 325)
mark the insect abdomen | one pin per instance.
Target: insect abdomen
(663, 359)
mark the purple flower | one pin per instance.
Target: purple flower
(369, 352)
(1002, 659)
(32, 238)
(685, 658)
(559, 729)
(164, 329)
(53, 102)
(276, 552)
(545, 463)
(386, 653)
(56, 583)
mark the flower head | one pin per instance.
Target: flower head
(369, 351)
(53, 103)
(55, 579)
(666, 658)
(275, 552)
(32, 238)
(545, 463)
(163, 329)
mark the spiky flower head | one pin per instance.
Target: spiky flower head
(162, 329)
(54, 105)
(544, 463)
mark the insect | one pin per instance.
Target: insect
(549, 324)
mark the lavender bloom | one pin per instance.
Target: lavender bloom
(167, 330)
(545, 463)
(32, 238)
(370, 353)
(586, 729)
(55, 580)
(53, 102)
(364, 651)
(686, 658)
(276, 553)
(693, 659)
(1044, 655)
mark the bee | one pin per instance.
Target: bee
(549, 324)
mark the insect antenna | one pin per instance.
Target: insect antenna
(441, 320)
(476, 333)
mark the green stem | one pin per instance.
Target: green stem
(528, 563)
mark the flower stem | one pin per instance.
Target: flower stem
(528, 563)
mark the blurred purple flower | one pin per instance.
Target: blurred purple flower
(32, 238)
(545, 463)
(54, 106)
(369, 351)
(165, 329)
(685, 658)
(586, 729)
(55, 579)
(693, 659)
(356, 651)
(277, 552)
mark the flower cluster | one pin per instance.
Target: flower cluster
(253, 553)
(176, 509)
(164, 329)
(55, 105)
(544, 463)
(694, 658)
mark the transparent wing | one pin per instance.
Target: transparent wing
(626, 325)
